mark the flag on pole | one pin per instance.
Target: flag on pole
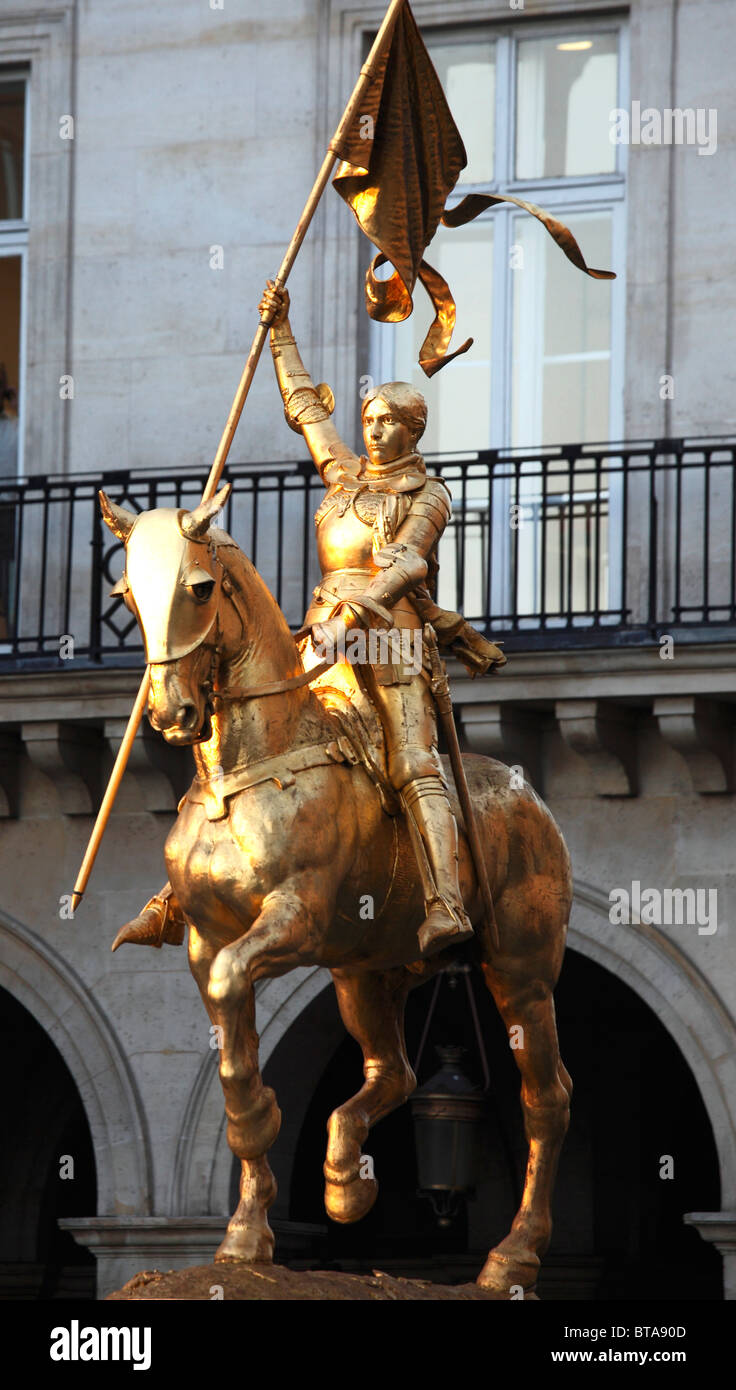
(401, 157)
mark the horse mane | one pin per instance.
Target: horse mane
(266, 625)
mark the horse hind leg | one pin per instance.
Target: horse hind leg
(372, 1008)
(546, 1088)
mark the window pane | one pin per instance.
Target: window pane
(10, 269)
(458, 397)
(467, 72)
(10, 273)
(12, 112)
(566, 89)
(562, 335)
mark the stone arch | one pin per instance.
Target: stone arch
(684, 1001)
(653, 966)
(42, 981)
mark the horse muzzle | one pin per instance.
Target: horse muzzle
(185, 727)
(181, 717)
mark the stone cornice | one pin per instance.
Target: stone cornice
(596, 700)
(633, 675)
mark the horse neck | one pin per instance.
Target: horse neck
(257, 649)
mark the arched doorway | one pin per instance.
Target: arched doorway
(619, 1201)
(39, 978)
(47, 1166)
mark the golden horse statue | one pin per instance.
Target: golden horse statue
(283, 833)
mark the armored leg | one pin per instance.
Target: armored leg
(407, 714)
(434, 834)
(161, 920)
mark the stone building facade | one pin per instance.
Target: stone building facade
(143, 237)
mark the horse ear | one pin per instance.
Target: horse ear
(196, 524)
(119, 519)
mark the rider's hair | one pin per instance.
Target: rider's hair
(408, 405)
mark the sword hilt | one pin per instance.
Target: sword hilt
(439, 684)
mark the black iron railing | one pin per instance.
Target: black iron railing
(593, 545)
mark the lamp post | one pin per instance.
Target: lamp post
(448, 1114)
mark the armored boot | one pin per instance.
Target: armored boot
(161, 920)
(434, 836)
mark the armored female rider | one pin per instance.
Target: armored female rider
(378, 527)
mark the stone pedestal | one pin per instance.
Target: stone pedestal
(125, 1245)
(719, 1229)
(266, 1283)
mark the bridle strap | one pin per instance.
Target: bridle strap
(253, 692)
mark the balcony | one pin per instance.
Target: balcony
(576, 546)
(608, 571)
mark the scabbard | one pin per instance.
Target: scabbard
(441, 692)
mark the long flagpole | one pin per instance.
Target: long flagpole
(116, 776)
(366, 76)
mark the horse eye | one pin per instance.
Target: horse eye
(202, 592)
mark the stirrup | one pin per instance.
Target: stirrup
(443, 927)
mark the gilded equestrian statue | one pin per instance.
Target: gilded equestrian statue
(319, 786)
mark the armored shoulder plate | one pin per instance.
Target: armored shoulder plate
(433, 502)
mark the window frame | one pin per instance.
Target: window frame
(562, 195)
(14, 237)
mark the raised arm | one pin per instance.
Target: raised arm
(307, 407)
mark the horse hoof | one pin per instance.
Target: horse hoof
(246, 1245)
(346, 1202)
(504, 1273)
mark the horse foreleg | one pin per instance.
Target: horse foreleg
(372, 1008)
(249, 1236)
(269, 949)
(545, 1097)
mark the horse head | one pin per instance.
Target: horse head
(173, 585)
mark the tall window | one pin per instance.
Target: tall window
(532, 106)
(13, 243)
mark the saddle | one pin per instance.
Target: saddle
(342, 696)
(358, 723)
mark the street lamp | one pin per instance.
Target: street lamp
(448, 1114)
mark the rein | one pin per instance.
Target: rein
(213, 792)
(251, 692)
(218, 698)
(280, 768)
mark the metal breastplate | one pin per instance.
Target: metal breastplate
(344, 539)
(344, 522)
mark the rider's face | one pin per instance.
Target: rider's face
(386, 438)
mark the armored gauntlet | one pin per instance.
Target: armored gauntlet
(304, 403)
